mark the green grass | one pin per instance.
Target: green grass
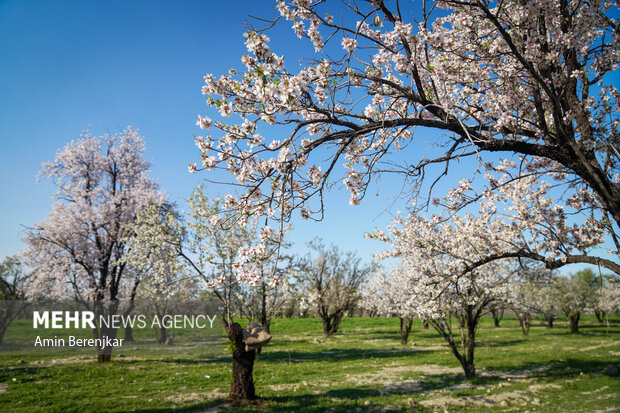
(364, 368)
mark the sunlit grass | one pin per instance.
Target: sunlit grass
(364, 368)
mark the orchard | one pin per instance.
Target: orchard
(475, 267)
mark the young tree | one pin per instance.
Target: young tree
(168, 286)
(574, 296)
(79, 251)
(12, 293)
(497, 313)
(436, 259)
(609, 297)
(332, 280)
(389, 293)
(544, 299)
(217, 249)
(597, 283)
(261, 303)
(523, 293)
(529, 79)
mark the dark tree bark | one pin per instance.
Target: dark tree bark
(331, 322)
(468, 322)
(425, 323)
(600, 315)
(405, 328)
(129, 334)
(104, 352)
(549, 318)
(573, 320)
(242, 385)
(105, 309)
(497, 314)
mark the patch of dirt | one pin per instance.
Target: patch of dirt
(285, 386)
(428, 348)
(3, 387)
(436, 369)
(513, 374)
(500, 399)
(538, 387)
(596, 390)
(296, 386)
(197, 397)
(401, 387)
(65, 360)
(613, 343)
(461, 386)
(391, 377)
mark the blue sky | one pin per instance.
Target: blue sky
(68, 66)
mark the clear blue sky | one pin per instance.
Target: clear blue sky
(67, 66)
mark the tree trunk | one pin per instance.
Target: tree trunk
(468, 321)
(497, 314)
(3, 329)
(469, 367)
(161, 334)
(405, 328)
(600, 315)
(129, 334)
(574, 322)
(242, 385)
(425, 323)
(104, 352)
(466, 362)
(331, 323)
(524, 322)
(549, 318)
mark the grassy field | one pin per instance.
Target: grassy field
(363, 369)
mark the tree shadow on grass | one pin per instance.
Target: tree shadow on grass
(331, 400)
(334, 354)
(564, 369)
(583, 332)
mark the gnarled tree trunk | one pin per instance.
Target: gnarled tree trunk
(331, 322)
(129, 334)
(573, 320)
(497, 314)
(600, 315)
(549, 318)
(242, 385)
(405, 328)
(468, 322)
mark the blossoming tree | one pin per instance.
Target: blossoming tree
(390, 293)
(525, 294)
(12, 293)
(332, 280)
(524, 78)
(79, 251)
(211, 245)
(609, 297)
(436, 261)
(574, 296)
(529, 79)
